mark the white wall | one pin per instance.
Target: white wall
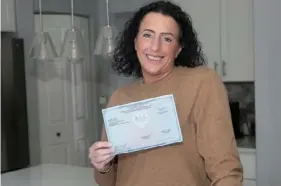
(127, 5)
(267, 15)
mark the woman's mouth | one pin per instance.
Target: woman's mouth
(154, 58)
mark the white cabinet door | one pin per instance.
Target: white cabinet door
(65, 105)
(248, 160)
(8, 16)
(237, 47)
(205, 17)
(249, 183)
(225, 29)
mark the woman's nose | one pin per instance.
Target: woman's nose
(155, 44)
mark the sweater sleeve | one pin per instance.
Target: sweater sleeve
(215, 137)
(109, 178)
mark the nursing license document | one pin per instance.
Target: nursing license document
(142, 125)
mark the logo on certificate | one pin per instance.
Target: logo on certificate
(140, 119)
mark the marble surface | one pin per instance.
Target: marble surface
(50, 175)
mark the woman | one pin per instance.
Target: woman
(160, 47)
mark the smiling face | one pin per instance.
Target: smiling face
(157, 44)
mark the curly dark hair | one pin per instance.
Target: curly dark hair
(125, 60)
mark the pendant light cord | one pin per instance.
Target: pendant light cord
(72, 19)
(40, 15)
(107, 12)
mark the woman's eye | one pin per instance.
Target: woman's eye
(168, 39)
(146, 35)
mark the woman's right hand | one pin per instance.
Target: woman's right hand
(100, 154)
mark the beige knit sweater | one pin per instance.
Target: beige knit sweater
(208, 155)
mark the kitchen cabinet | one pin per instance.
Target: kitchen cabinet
(225, 29)
(8, 22)
(248, 160)
(249, 183)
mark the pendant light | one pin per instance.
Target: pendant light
(105, 44)
(73, 47)
(42, 48)
(43, 54)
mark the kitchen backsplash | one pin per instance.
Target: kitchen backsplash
(245, 94)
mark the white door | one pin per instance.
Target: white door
(237, 40)
(65, 104)
(205, 17)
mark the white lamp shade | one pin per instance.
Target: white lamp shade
(42, 47)
(45, 70)
(105, 44)
(73, 47)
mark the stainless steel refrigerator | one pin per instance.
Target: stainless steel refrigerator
(14, 125)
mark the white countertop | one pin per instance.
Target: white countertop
(50, 175)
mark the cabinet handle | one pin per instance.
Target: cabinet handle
(223, 68)
(215, 66)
